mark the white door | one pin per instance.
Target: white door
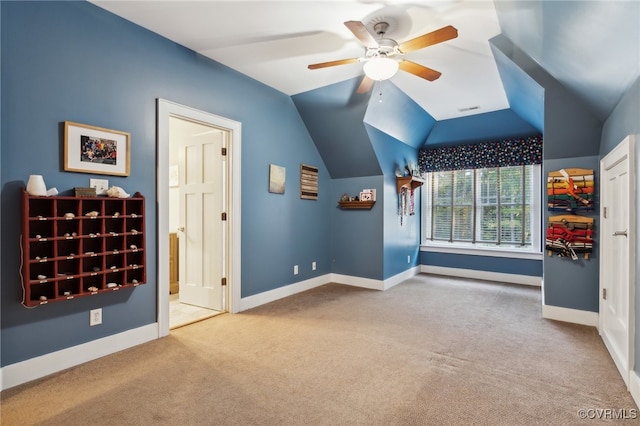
(617, 255)
(202, 238)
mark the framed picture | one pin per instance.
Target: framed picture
(366, 196)
(276, 179)
(372, 192)
(90, 149)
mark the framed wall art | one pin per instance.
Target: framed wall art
(91, 149)
(276, 179)
(308, 182)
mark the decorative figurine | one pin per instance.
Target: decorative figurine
(117, 192)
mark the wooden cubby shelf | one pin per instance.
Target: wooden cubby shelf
(410, 182)
(356, 204)
(81, 246)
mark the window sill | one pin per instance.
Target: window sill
(482, 251)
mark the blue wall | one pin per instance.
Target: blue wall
(571, 139)
(391, 111)
(570, 129)
(334, 116)
(483, 263)
(74, 61)
(573, 283)
(489, 126)
(400, 239)
(357, 235)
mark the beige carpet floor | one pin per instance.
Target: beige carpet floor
(430, 351)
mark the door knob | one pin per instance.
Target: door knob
(620, 233)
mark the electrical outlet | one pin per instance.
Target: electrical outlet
(313, 266)
(408, 259)
(101, 185)
(95, 317)
(295, 269)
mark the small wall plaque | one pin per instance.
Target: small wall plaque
(308, 182)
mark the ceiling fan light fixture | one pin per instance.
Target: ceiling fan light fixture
(381, 68)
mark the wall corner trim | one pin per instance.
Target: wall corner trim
(575, 316)
(44, 365)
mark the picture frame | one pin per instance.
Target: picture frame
(372, 192)
(276, 179)
(96, 150)
(366, 196)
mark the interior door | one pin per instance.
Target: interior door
(617, 248)
(202, 239)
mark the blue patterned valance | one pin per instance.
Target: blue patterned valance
(507, 152)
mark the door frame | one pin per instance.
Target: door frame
(625, 149)
(165, 110)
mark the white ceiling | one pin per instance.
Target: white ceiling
(274, 41)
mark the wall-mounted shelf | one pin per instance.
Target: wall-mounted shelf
(410, 182)
(356, 204)
(81, 246)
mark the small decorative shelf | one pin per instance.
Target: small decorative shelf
(410, 182)
(356, 204)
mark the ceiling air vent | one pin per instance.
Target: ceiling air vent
(469, 108)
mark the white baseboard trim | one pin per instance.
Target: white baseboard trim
(357, 281)
(291, 289)
(402, 276)
(44, 365)
(570, 315)
(634, 387)
(483, 275)
(278, 293)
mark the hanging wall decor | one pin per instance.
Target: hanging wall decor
(308, 182)
(568, 235)
(91, 149)
(276, 179)
(569, 190)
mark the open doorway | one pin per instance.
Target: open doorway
(198, 215)
(197, 221)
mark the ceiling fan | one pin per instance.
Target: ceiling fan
(383, 56)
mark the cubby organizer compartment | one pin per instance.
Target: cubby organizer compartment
(81, 246)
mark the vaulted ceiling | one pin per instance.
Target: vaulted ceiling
(590, 47)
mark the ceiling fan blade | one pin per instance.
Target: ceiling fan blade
(419, 70)
(438, 36)
(365, 85)
(332, 63)
(360, 31)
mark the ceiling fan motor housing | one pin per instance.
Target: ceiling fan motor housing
(386, 47)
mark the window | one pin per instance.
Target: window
(495, 208)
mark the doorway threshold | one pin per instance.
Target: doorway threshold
(182, 314)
